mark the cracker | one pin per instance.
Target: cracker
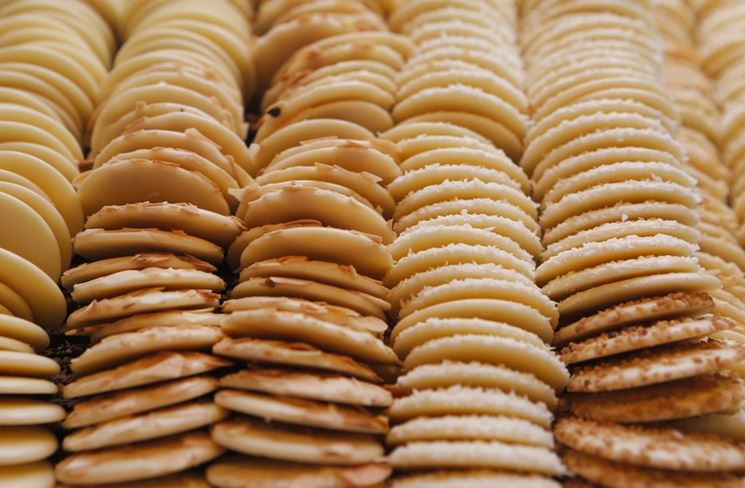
(19, 385)
(187, 479)
(312, 386)
(293, 354)
(470, 427)
(661, 448)
(155, 368)
(644, 336)
(664, 307)
(234, 471)
(450, 373)
(170, 318)
(139, 461)
(621, 475)
(514, 354)
(302, 412)
(476, 454)
(461, 400)
(14, 363)
(691, 397)
(151, 425)
(105, 408)
(300, 445)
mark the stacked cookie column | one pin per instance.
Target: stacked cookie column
(693, 94)
(51, 68)
(620, 214)
(474, 404)
(167, 146)
(307, 316)
(719, 40)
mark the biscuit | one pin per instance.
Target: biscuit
(472, 479)
(26, 444)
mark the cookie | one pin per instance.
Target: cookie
(472, 479)
(26, 444)
(660, 448)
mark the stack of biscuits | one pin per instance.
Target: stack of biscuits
(51, 65)
(620, 218)
(700, 133)
(719, 38)
(474, 404)
(307, 316)
(167, 148)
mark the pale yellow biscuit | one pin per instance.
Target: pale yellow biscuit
(32, 475)
(97, 269)
(470, 427)
(94, 244)
(172, 318)
(232, 472)
(461, 400)
(105, 408)
(141, 301)
(511, 313)
(27, 364)
(434, 328)
(24, 331)
(476, 454)
(308, 446)
(26, 444)
(127, 281)
(151, 425)
(441, 275)
(117, 349)
(189, 218)
(421, 237)
(146, 371)
(302, 412)
(521, 356)
(19, 385)
(293, 354)
(138, 461)
(454, 253)
(343, 276)
(310, 385)
(299, 327)
(472, 479)
(25, 411)
(367, 255)
(311, 290)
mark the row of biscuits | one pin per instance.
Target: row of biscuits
(719, 38)
(307, 317)
(51, 68)
(474, 404)
(166, 151)
(720, 254)
(620, 215)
